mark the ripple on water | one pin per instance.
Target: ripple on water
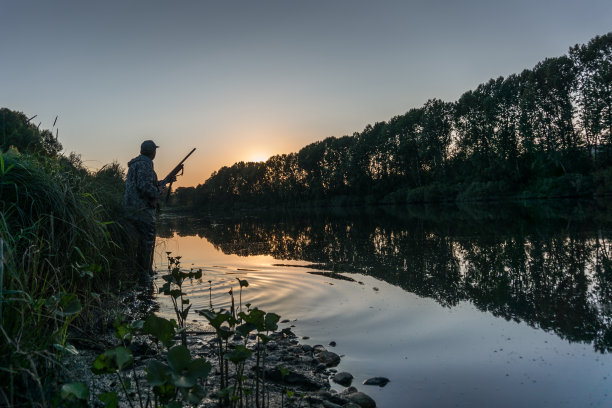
(273, 289)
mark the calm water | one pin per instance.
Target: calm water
(486, 307)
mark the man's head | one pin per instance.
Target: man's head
(148, 148)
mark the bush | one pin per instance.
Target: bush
(568, 185)
(602, 180)
(484, 191)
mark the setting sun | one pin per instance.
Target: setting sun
(258, 157)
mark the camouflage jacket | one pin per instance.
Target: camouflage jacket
(141, 187)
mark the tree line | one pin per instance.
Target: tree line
(546, 132)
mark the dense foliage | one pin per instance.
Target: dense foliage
(63, 246)
(16, 130)
(546, 132)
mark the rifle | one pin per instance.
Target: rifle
(172, 175)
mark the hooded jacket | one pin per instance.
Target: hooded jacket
(141, 186)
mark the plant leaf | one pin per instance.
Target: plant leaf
(183, 381)
(112, 360)
(185, 312)
(76, 390)
(179, 358)
(110, 399)
(165, 392)
(68, 348)
(161, 329)
(199, 368)
(239, 354)
(271, 321)
(157, 373)
(194, 395)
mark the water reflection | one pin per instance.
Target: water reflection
(549, 268)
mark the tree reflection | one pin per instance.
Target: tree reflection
(551, 271)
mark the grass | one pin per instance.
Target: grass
(63, 244)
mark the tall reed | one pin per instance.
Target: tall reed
(60, 239)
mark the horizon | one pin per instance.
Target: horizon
(268, 79)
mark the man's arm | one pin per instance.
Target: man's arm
(147, 183)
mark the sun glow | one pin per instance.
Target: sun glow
(258, 157)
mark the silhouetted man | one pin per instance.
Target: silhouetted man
(142, 190)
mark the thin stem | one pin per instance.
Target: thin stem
(137, 386)
(124, 389)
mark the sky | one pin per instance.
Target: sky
(244, 80)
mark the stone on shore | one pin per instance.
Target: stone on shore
(328, 358)
(343, 379)
(361, 399)
(292, 378)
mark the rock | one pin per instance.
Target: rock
(307, 348)
(329, 404)
(361, 399)
(351, 405)
(320, 368)
(349, 390)
(333, 344)
(287, 332)
(380, 381)
(318, 348)
(338, 399)
(296, 349)
(323, 394)
(328, 358)
(343, 379)
(293, 379)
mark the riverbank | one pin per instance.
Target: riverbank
(295, 374)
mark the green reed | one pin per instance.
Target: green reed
(59, 248)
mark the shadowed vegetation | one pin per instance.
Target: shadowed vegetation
(64, 251)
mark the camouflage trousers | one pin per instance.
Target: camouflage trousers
(144, 224)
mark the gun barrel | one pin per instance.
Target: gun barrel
(177, 168)
(182, 161)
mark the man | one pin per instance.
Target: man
(142, 190)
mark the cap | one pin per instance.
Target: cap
(148, 146)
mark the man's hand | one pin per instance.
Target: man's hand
(169, 179)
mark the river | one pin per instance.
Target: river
(458, 307)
